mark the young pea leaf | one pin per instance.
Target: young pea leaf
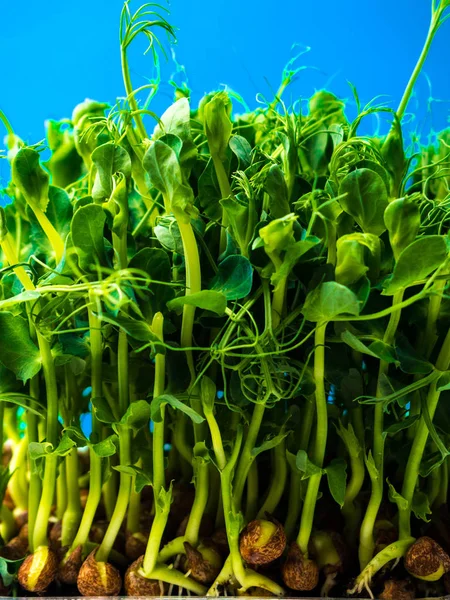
(217, 122)
(307, 467)
(137, 415)
(168, 399)
(102, 410)
(275, 186)
(107, 447)
(269, 443)
(400, 425)
(108, 159)
(328, 301)
(236, 522)
(357, 253)
(337, 479)
(164, 499)
(292, 256)
(138, 330)
(417, 262)
(30, 178)
(59, 212)
(162, 165)
(24, 401)
(402, 220)
(234, 278)
(207, 300)
(209, 194)
(155, 263)
(168, 235)
(410, 361)
(143, 478)
(371, 467)
(443, 382)
(18, 352)
(9, 570)
(26, 296)
(176, 120)
(208, 393)
(397, 498)
(377, 349)
(242, 149)
(87, 236)
(365, 198)
(421, 506)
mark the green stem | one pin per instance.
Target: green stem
(123, 498)
(247, 458)
(130, 94)
(320, 440)
(35, 487)
(419, 443)
(61, 492)
(8, 525)
(251, 505)
(434, 24)
(72, 515)
(278, 481)
(441, 499)
(95, 480)
(225, 192)
(176, 546)
(161, 511)
(367, 544)
(294, 502)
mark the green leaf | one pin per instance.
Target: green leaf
(364, 197)
(164, 499)
(291, 257)
(137, 415)
(208, 393)
(234, 278)
(400, 425)
(443, 382)
(337, 479)
(328, 301)
(155, 263)
(9, 570)
(162, 165)
(107, 447)
(402, 219)
(87, 236)
(108, 159)
(102, 410)
(269, 443)
(377, 349)
(371, 467)
(30, 178)
(307, 467)
(24, 401)
(410, 361)
(169, 400)
(59, 213)
(242, 149)
(26, 296)
(142, 477)
(421, 506)
(217, 121)
(207, 300)
(416, 262)
(275, 186)
(138, 330)
(278, 235)
(18, 352)
(176, 120)
(397, 498)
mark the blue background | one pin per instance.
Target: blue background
(54, 54)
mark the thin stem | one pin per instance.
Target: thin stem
(251, 505)
(278, 481)
(419, 443)
(320, 440)
(225, 192)
(123, 498)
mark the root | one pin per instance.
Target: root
(394, 551)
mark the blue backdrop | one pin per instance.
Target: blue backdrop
(54, 54)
